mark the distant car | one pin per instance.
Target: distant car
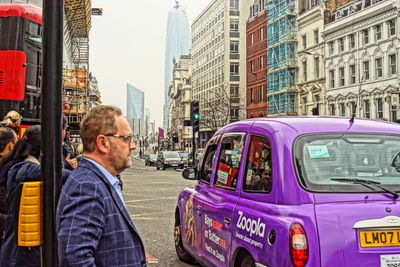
(294, 191)
(187, 156)
(150, 160)
(170, 159)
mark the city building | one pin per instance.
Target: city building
(362, 60)
(256, 90)
(219, 64)
(282, 57)
(135, 109)
(178, 43)
(310, 60)
(180, 94)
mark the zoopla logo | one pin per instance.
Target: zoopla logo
(250, 225)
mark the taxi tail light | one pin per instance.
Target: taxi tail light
(298, 245)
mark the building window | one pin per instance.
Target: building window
(378, 32)
(393, 109)
(341, 44)
(342, 109)
(393, 64)
(365, 36)
(251, 66)
(352, 108)
(251, 96)
(261, 33)
(261, 62)
(234, 4)
(304, 41)
(234, 113)
(251, 38)
(234, 45)
(305, 105)
(367, 109)
(234, 26)
(330, 48)
(234, 90)
(331, 78)
(392, 27)
(378, 66)
(341, 76)
(379, 108)
(316, 67)
(366, 70)
(352, 41)
(234, 69)
(352, 69)
(305, 70)
(333, 109)
(316, 37)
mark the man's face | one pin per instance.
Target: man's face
(120, 153)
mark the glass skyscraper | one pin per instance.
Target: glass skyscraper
(178, 42)
(135, 108)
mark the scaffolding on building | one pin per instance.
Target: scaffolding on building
(282, 57)
(78, 89)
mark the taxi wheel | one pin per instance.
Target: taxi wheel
(163, 167)
(158, 167)
(245, 260)
(183, 255)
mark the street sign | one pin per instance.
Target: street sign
(97, 12)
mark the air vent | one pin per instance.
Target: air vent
(1, 81)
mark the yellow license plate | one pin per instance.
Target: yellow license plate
(387, 238)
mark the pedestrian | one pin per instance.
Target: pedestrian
(25, 158)
(70, 161)
(12, 120)
(7, 140)
(93, 225)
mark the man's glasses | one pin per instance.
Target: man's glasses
(127, 138)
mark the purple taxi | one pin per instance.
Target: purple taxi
(294, 191)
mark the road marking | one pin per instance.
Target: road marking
(150, 213)
(151, 259)
(150, 199)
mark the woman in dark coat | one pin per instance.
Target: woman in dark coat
(25, 168)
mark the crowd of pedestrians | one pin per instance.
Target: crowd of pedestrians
(92, 222)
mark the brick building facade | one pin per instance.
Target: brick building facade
(256, 61)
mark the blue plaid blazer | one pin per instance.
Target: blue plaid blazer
(93, 225)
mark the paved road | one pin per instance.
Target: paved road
(150, 197)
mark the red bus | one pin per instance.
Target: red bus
(20, 60)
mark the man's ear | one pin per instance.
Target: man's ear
(103, 145)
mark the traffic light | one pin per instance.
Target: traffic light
(195, 115)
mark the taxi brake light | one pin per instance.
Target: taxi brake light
(298, 245)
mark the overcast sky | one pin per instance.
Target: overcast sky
(127, 45)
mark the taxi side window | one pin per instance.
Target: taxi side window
(208, 160)
(229, 160)
(259, 166)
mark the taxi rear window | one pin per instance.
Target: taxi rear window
(347, 163)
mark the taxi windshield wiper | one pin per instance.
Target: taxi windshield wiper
(366, 183)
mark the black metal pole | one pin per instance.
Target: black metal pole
(193, 144)
(51, 124)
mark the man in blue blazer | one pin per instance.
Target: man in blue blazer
(93, 225)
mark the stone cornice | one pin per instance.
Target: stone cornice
(352, 26)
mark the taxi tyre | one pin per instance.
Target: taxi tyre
(244, 259)
(163, 167)
(182, 254)
(158, 167)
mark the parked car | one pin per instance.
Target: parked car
(294, 191)
(186, 155)
(150, 160)
(170, 159)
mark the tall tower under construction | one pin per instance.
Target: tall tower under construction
(178, 42)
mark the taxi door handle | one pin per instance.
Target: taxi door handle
(227, 220)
